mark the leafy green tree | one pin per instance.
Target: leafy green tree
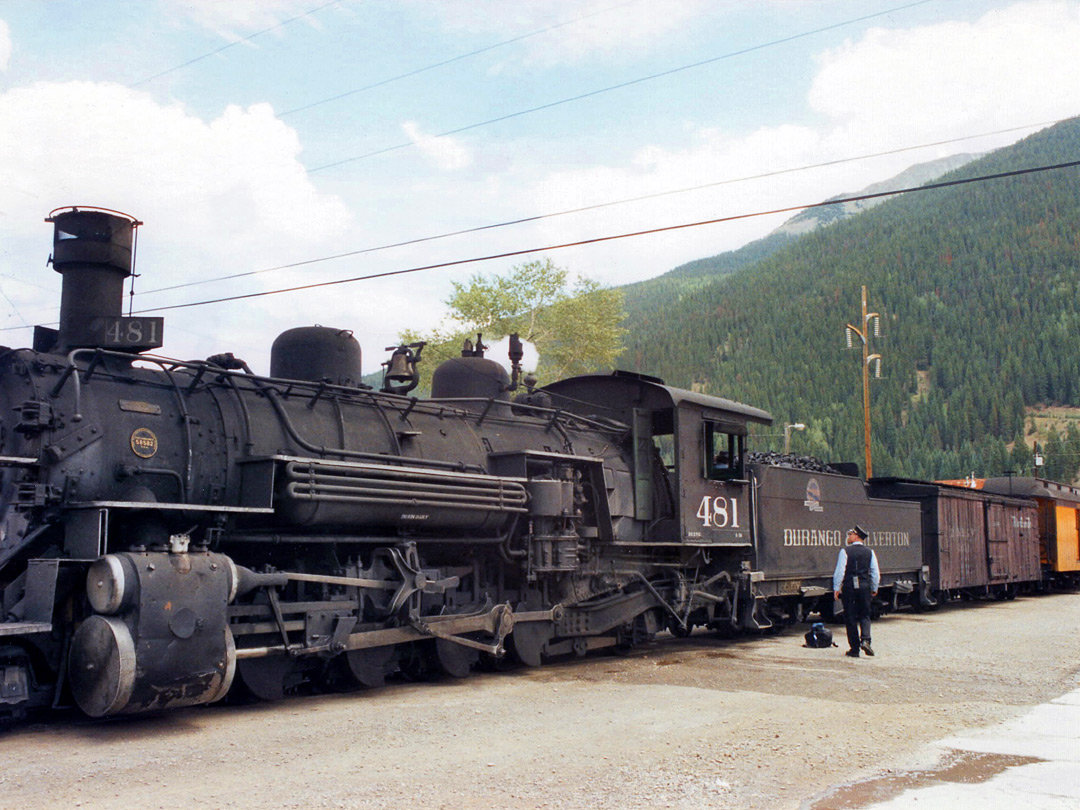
(576, 328)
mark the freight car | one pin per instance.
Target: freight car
(1058, 519)
(974, 543)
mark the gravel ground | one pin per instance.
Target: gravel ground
(695, 723)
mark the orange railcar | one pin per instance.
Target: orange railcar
(1059, 522)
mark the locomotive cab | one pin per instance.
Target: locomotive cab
(688, 455)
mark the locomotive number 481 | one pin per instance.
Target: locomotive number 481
(144, 333)
(719, 512)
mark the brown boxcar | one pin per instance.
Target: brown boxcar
(1058, 518)
(974, 542)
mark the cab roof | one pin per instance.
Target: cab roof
(620, 391)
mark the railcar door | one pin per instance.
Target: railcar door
(713, 487)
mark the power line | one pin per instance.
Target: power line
(234, 44)
(619, 86)
(452, 59)
(15, 309)
(28, 283)
(614, 237)
(610, 238)
(597, 206)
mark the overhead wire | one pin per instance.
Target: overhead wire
(594, 207)
(14, 309)
(535, 109)
(613, 237)
(27, 283)
(233, 44)
(525, 36)
(453, 59)
(619, 86)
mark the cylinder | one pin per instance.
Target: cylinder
(111, 584)
(160, 638)
(110, 673)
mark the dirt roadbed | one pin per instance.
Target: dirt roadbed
(695, 723)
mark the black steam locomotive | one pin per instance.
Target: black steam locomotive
(169, 527)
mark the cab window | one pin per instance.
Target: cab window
(665, 448)
(723, 453)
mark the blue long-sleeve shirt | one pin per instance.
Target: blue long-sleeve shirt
(841, 567)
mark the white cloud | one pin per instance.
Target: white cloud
(887, 90)
(230, 194)
(220, 196)
(579, 30)
(235, 18)
(716, 157)
(445, 152)
(234, 177)
(5, 45)
(1013, 66)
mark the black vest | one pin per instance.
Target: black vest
(858, 565)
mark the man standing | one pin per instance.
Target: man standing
(856, 580)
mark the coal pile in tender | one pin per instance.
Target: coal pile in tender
(808, 463)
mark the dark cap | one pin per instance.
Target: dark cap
(859, 530)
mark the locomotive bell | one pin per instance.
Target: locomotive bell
(401, 375)
(400, 370)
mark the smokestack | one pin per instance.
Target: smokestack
(93, 249)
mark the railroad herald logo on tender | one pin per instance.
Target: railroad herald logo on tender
(813, 496)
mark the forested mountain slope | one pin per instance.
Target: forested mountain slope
(649, 299)
(979, 287)
(917, 175)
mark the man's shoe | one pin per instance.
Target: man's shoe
(852, 653)
(866, 648)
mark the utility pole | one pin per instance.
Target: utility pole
(787, 435)
(863, 334)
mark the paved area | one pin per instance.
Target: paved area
(1030, 762)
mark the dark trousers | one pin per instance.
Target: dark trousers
(856, 615)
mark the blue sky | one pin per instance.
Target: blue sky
(184, 114)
